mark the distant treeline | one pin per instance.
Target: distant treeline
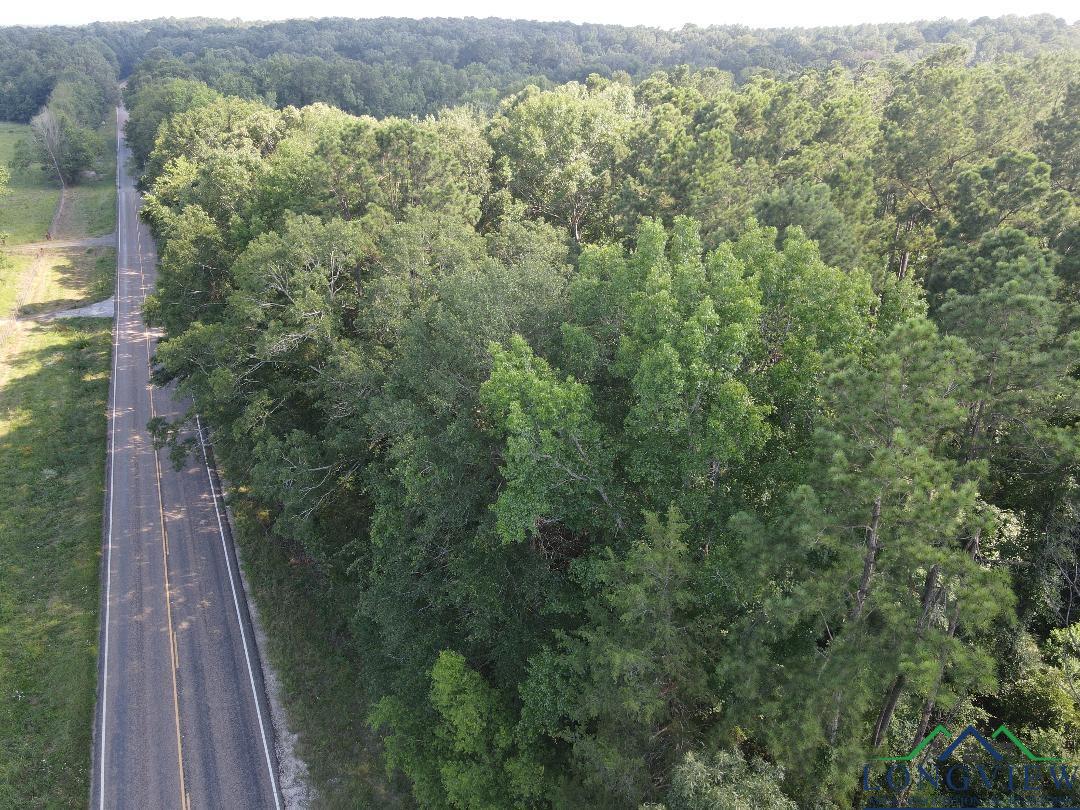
(413, 67)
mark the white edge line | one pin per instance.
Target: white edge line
(112, 477)
(239, 618)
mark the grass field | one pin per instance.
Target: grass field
(11, 270)
(323, 694)
(52, 441)
(27, 209)
(26, 212)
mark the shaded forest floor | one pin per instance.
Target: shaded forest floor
(320, 675)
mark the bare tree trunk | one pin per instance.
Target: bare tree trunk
(46, 128)
(929, 599)
(834, 721)
(873, 546)
(887, 710)
(928, 704)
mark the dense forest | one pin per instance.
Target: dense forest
(658, 440)
(675, 438)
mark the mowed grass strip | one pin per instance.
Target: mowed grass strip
(27, 209)
(52, 461)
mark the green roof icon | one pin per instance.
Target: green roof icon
(1002, 731)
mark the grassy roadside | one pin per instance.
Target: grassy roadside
(53, 387)
(322, 691)
(90, 211)
(52, 441)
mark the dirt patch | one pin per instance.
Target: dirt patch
(100, 309)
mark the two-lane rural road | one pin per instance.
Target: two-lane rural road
(182, 720)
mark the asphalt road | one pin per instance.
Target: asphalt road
(182, 720)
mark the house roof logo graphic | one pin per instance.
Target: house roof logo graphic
(969, 733)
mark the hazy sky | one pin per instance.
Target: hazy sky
(667, 13)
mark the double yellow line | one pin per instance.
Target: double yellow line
(185, 802)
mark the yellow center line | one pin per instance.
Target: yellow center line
(173, 648)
